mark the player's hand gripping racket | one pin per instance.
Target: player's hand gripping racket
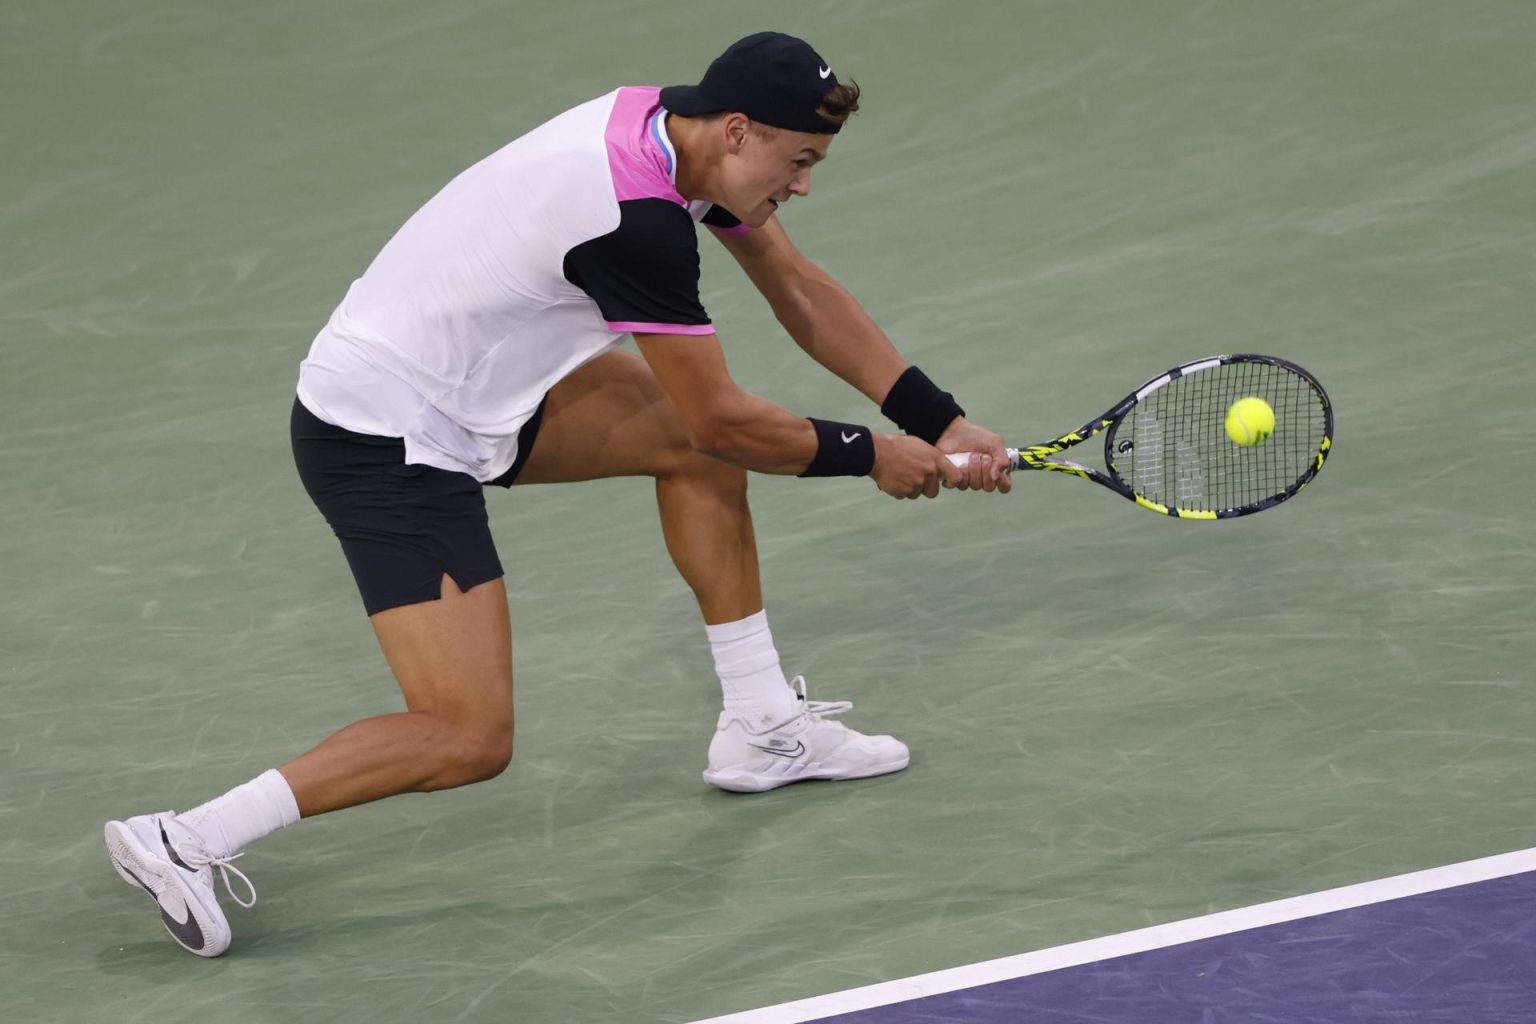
(1166, 446)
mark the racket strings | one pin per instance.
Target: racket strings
(1176, 442)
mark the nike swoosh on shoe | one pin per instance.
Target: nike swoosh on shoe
(799, 749)
(187, 932)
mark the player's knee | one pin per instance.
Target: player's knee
(475, 753)
(478, 763)
(489, 758)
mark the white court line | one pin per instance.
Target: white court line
(1140, 941)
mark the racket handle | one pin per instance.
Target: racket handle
(959, 459)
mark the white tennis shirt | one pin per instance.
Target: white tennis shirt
(536, 260)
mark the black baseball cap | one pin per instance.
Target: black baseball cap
(769, 76)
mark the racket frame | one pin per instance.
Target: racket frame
(1042, 456)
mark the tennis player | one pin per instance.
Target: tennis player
(481, 347)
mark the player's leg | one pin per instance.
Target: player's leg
(419, 545)
(611, 418)
(420, 549)
(453, 660)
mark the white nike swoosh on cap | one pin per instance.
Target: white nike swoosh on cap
(825, 72)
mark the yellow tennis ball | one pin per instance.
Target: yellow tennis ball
(1250, 421)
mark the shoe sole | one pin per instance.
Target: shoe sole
(143, 869)
(739, 780)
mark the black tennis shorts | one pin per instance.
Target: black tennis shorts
(402, 527)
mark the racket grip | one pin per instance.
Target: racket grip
(959, 459)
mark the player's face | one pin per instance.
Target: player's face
(766, 169)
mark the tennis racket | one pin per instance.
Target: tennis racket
(1166, 446)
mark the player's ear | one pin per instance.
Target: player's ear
(737, 127)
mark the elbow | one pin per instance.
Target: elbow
(724, 426)
(716, 437)
(722, 430)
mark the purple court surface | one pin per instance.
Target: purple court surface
(1453, 945)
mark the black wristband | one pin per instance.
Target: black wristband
(842, 449)
(916, 405)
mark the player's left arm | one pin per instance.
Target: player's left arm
(832, 327)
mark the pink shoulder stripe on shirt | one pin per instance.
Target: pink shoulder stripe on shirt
(640, 167)
(636, 328)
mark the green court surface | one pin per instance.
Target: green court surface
(1117, 720)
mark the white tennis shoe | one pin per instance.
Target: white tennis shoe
(807, 746)
(170, 861)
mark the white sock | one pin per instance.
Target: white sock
(751, 680)
(244, 814)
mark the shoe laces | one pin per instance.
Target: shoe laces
(197, 858)
(819, 708)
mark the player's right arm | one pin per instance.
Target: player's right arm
(644, 278)
(735, 426)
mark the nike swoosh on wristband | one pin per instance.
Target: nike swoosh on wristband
(799, 749)
(850, 438)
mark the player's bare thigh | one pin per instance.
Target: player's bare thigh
(452, 656)
(609, 418)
